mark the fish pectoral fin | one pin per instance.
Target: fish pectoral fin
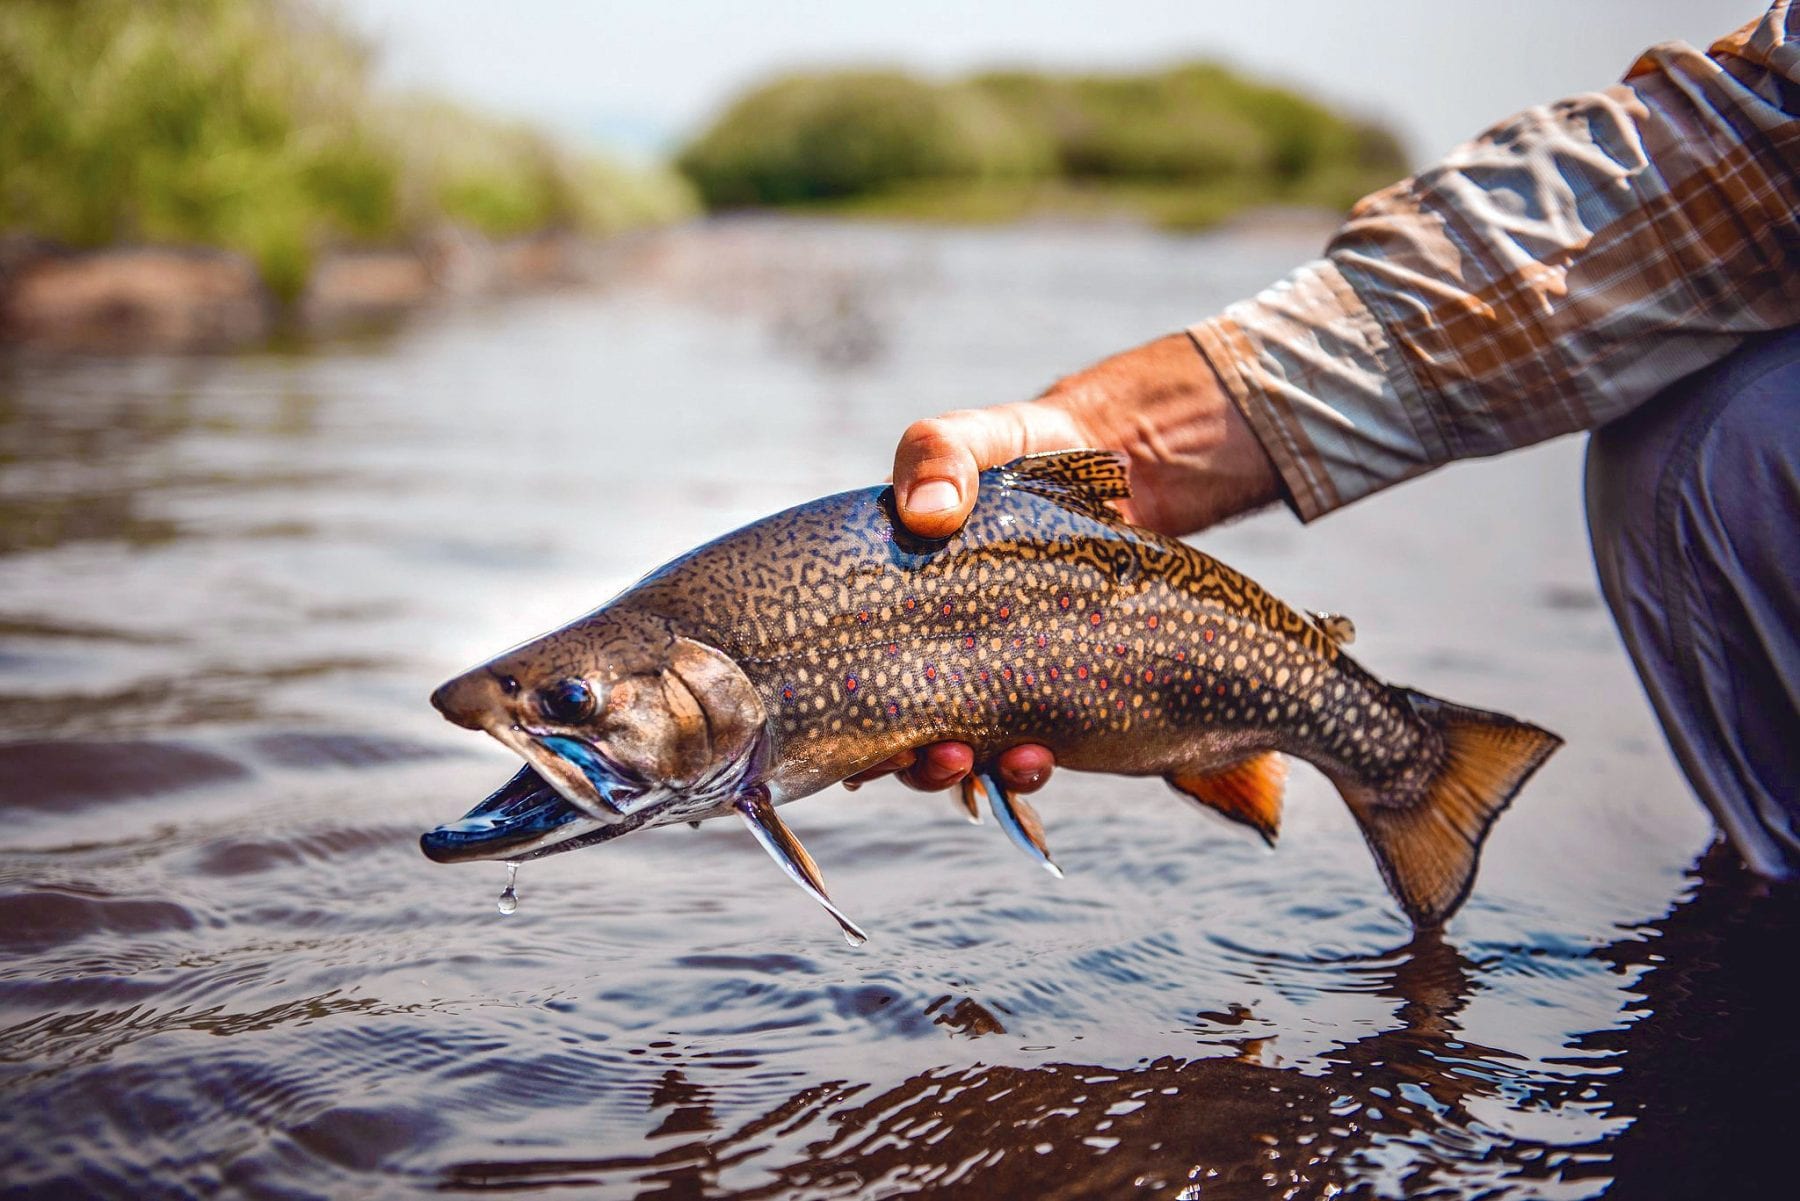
(1016, 817)
(971, 799)
(1337, 627)
(1248, 791)
(758, 813)
(1084, 480)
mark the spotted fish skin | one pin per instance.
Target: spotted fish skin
(1121, 650)
(819, 642)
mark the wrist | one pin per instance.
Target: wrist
(1194, 459)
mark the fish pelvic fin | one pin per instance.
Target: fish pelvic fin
(1017, 818)
(1087, 481)
(1427, 839)
(758, 812)
(1248, 791)
(971, 799)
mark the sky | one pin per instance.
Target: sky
(642, 74)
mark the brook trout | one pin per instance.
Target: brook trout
(815, 644)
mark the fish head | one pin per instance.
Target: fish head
(625, 720)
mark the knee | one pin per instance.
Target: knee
(1684, 477)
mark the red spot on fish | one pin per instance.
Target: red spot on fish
(1093, 619)
(787, 694)
(911, 604)
(849, 683)
(1081, 672)
(968, 642)
(947, 607)
(1030, 678)
(1221, 690)
(1018, 643)
(930, 672)
(1151, 621)
(1181, 656)
(1043, 640)
(1207, 633)
(1105, 683)
(984, 675)
(893, 709)
(1005, 612)
(1199, 688)
(1063, 601)
(1121, 703)
(1055, 674)
(863, 617)
(1006, 673)
(893, 648)
(1118, 648)
(1149, 677)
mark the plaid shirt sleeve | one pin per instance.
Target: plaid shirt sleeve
(1548, 276)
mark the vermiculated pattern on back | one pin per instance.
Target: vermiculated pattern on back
(1039, 622)
(824, 640)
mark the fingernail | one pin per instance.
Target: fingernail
(933, 496)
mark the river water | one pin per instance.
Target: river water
(227, 585)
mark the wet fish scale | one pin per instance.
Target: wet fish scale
(1071, 637)
(812, 645)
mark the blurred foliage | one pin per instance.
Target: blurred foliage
(1185, 146)
(846, 133)
(252, 125)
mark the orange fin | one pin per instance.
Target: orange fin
(1427, 839)
(1247, 792)
(1086, 481)
(971, 799)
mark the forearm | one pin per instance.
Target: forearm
(1547, 277)
(1194, 459)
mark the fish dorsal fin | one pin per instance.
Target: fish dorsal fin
(1337, 627)
(1083, 480)
(1247, 792)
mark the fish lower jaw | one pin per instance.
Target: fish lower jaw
(564, 776)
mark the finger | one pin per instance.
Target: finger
(939, 766)
(1026, 768)
(939, 458)
(886, 767)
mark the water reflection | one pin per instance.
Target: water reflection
(1405, 1112)
(227, 584)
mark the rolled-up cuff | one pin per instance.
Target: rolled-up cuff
(1315, 376)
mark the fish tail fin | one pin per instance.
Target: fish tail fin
(1427, 837)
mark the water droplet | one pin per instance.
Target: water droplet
(509, 896)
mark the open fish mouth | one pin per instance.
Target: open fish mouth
(578, 770)
(523, 818)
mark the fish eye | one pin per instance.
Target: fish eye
(567, 701)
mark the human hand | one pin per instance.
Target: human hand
(1193, 458)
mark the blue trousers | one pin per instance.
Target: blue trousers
(1693, 505)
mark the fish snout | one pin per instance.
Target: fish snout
(471, 699)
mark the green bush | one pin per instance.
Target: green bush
(846, 133)
(252, 125)
(1145, 138)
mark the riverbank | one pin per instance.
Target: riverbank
(193, 298)
(203, 173)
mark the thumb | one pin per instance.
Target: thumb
(939, 458)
